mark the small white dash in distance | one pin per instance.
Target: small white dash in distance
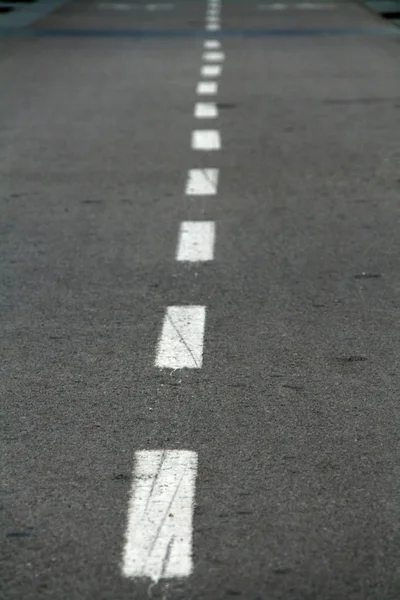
(196, 241)
(212, 44)
(158, 537)
(205, 110)
(111, 6)
(213, 27)
(314, 6)
(207, 88)
(274, 6)
(206, 139)
(211, 70)
(181, 342)
(202, 182)
(213, 56)
(163, 6)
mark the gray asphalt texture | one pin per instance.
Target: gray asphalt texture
(295, 414)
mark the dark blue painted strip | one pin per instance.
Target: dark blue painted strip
(187, 33)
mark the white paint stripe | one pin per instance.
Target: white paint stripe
(211, 70)
(158, 539)
(109, 6)
(274, 6)
(119, 6)
(207, 88)
(213, 13)
(181, 340)
(213, 56)
(202, 182)
(212, 44)
(152, 7)
(206, 139)
(314, 6)
(213, 19)
(206, 110)
(196, 241)
(213, 27)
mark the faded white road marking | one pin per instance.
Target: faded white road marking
(159, 6)
(158, 538)
(205, 110)
(314, 6)
(202, 182)
(207, 88)
(120, 6)
(212, 44)
(110, 6)
(181, 342)
(211, 70)
(196, 241)
(297, 6)
(276, 6)
(213, 13)
(213, 27)
(213, 56)
(206, 139)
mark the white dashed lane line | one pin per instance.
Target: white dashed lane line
(206, 139)
(202, 182)
(205, 110)
(207, 88)
(181, 342)
(158, 539)
(196, 241)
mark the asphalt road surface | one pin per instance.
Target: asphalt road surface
(201, 288)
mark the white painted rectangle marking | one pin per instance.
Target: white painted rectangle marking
(121, 6)
(206, 139)
(212, 44)
(202, 182)
(314, 6)
(164, 6)
(213, 27)
(213, 56)
(196, 241)
(158, 537)
(181, 342)
(207, 88)
(205, 110)
(211, 70)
